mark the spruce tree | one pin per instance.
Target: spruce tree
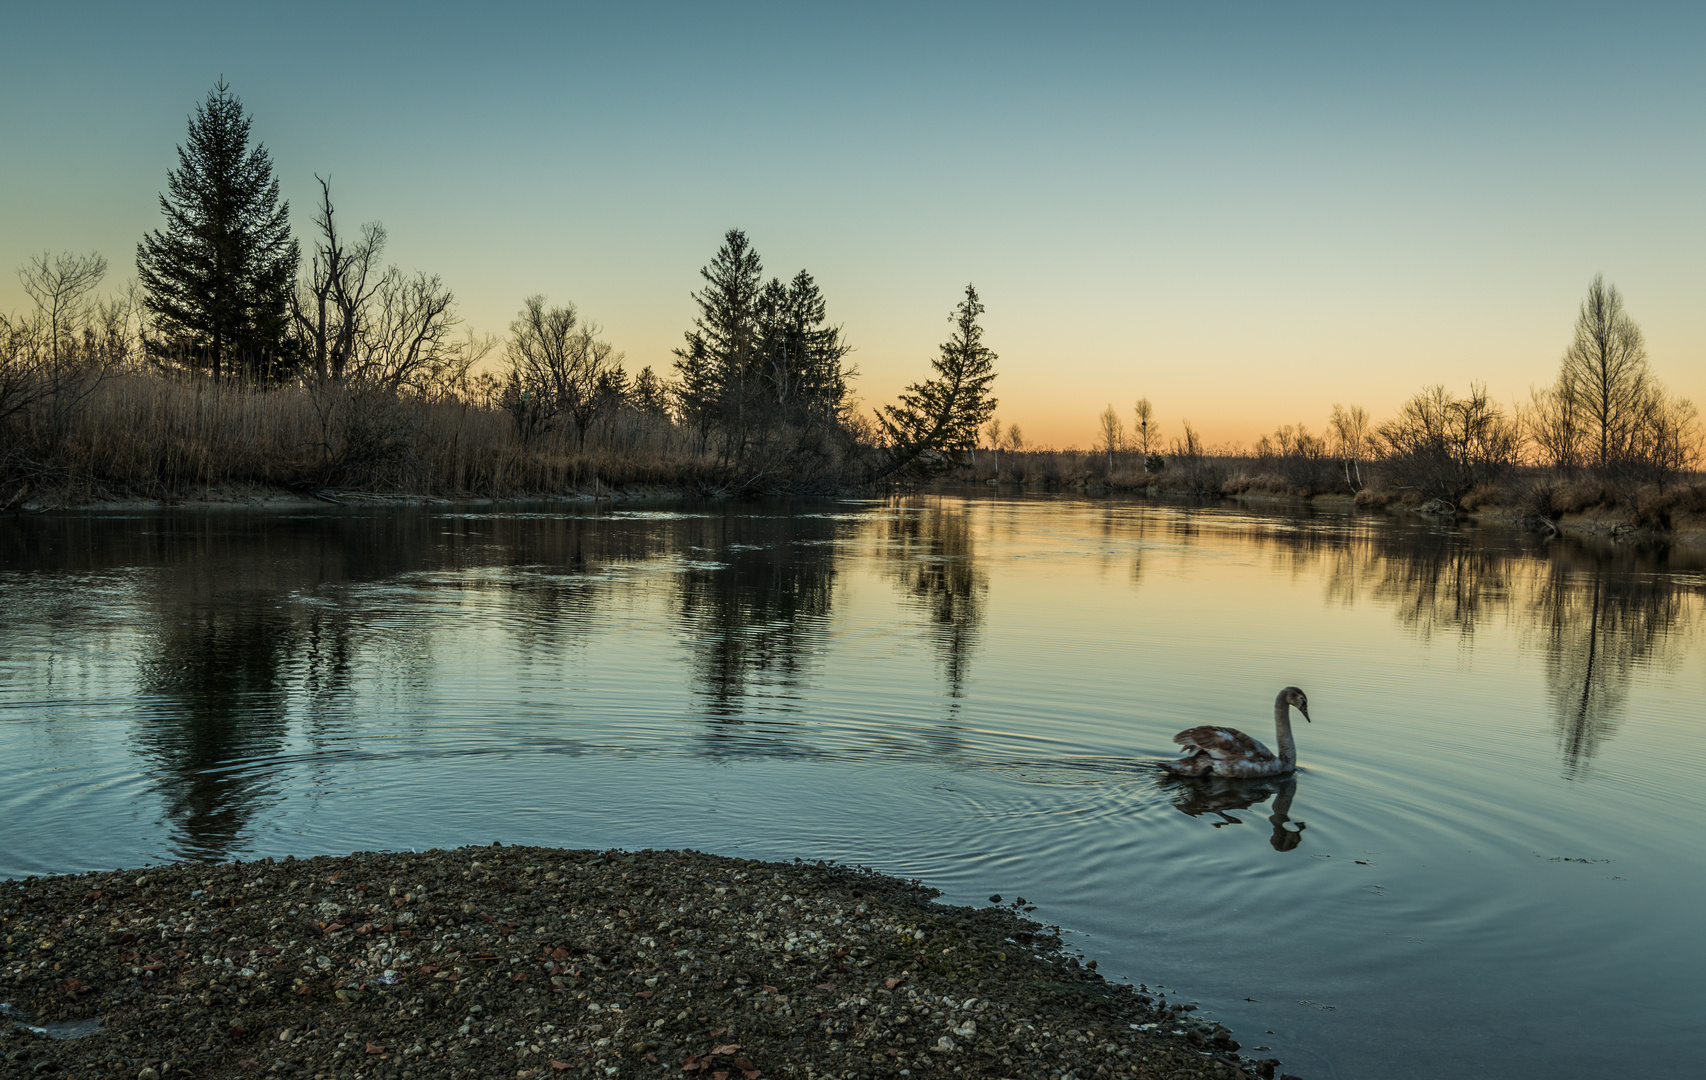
(941, 416)
(218, 280)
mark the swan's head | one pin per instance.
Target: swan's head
(1298, 700)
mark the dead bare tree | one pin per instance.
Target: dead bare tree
(329, 305)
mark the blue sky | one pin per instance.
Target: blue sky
(1244, 211)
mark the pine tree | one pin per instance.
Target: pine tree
(941, 416)
(801, 354)
(718, 363)
(218, 280)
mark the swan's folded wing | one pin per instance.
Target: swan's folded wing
(1222, 743)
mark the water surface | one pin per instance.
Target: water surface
(1487, 866)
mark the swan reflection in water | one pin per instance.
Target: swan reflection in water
(1217, 795)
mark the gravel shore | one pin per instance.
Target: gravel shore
(544, 963)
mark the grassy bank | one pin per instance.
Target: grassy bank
(149, 436)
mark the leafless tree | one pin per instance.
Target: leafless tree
(1443, 446)
(1552, 421)
(53, 357)
(1189, 447)
(1352, 441)
(62, 286)
(1143, 428)
(1112, 433)
(556, 363)
(1606, 411)
(407, 340)
(331, 301)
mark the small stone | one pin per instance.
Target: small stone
(148, 1073)
(944, 1044)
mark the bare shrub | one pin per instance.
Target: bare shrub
(1442, 446)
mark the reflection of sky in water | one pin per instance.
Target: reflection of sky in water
(952, 690)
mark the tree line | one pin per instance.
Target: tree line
(1606, 417)
(759, 389)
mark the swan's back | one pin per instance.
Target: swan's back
(1223, 744)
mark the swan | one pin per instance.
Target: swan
(1224, 751)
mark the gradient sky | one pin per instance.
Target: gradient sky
(1245, 211)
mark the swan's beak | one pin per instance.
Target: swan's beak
(1304, 709)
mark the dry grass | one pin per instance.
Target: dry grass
(144, 435)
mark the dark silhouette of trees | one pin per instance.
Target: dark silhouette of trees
(1442, 446)
(342, 278)
(762, 366)
(557, 365)
(218, 280)
(941, 416)
(1606, 411)
(719, 354)
(384, 330)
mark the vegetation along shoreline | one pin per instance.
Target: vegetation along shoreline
(545, 962)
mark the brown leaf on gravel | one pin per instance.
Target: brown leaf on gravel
(717, 1031)
(894, 982)
(126, 939)
(375, 1048)
(266, 950)
(726, 1048)
(304, 990)
(559, 953)
(333, 879)
(238, 1030)
(558, 1066)
(651, 1057)
(645, 993)
(519, 976)
(247, 1063)
(824, 986)
(126, 957)
(770, 989)
(156, 966)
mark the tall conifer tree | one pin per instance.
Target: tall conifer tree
(944, 413)
(218, 280)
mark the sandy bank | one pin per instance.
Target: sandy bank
(534, 962)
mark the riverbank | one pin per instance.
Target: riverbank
(539, 962)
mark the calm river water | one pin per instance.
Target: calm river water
(1489, 864)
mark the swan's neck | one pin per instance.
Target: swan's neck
(1282, 730)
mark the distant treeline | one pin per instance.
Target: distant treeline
(1605, 433)
(239, 357)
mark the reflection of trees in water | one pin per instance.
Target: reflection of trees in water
(931, 556)
(1596, 611)
(1599, 625)
(1447, 586)
(754, 601)
(218, 674)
